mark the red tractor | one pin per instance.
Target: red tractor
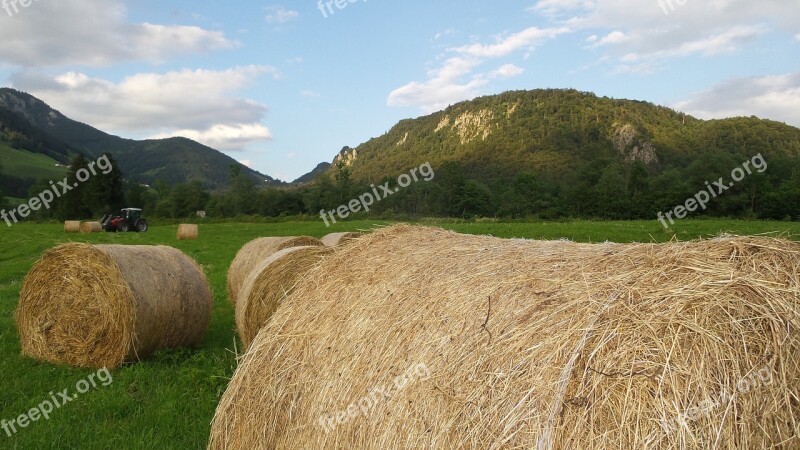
(130, 220)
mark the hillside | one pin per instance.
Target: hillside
(556, 132)
(174, 160)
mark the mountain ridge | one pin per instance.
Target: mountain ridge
(172, 160)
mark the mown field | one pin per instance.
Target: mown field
(167, 401)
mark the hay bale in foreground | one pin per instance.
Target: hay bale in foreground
(440, 340)
(188, 232)
(334, 239)
(91, 227)
(99, 306)
(269, 283)
(256, 251)
(72, 226)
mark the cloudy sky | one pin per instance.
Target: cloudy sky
(284, 86)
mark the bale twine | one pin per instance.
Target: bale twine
(72, 226)
(423, 338)
(269, 283)
(256, 251)
(99, 306)
(187, 232)
(334, 239)
(91, 227)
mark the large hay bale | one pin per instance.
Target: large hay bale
(72, 226)
(91, 227)
(99, 306)
(256, 251)
(269, 283)
(335, 239)
(523, 344)
(188, 232)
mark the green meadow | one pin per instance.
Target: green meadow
(168, 400)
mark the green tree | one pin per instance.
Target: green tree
(71, 204)
(104, 192)
(242, 192)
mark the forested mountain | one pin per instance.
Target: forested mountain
(565, 153)
(173, 161)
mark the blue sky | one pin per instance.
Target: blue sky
(282, 87)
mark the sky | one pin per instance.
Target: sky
(283, 86)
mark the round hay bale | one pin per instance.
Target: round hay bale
(102, 305)
(422, 338)
(334, 239)
(188, 232)
(256, 251)
(91, 227)
(269, 283)
(72, 226)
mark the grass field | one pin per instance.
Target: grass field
(33, 165)
(167, 401)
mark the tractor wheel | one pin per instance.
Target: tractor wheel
(123, 227)
(141, 226)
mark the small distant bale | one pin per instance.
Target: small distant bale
(91, 227)
(269, 284)
(72, 226)
(187, 232)
(103, 305)
(256, 251)
(335, 239)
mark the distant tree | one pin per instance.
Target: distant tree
(104, 192)
(71, 204)
(242, 192)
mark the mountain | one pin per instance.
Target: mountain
(558, 133)
(173, 160)
(321, 168)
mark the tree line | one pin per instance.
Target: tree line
(600, 188)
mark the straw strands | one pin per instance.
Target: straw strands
(99, 306)
(529, 345)
(255, 252)
(269, 284)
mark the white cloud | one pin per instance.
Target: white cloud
(277, 14)
(774, 97)
(797, 36)
(455, 80)
(96, 33)
(199, 104)
(310, 94)
(651, 32)
(246, 162)
(528, 38)
(507, 71)
(224, 137)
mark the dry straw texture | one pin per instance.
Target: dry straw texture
(91, 227)
(529, 345)
(72, 226)
(187, 232)
(254, 253)
(334, 239)
(99, 306)
(269, 283)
